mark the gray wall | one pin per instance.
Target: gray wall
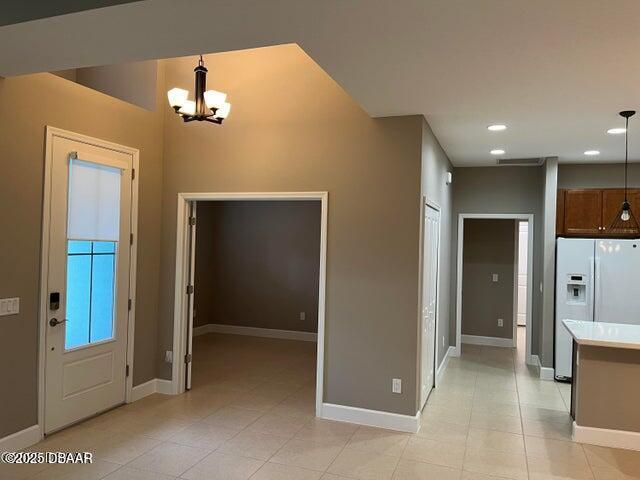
(503, 190)
(257, 264)
(489, 248)
(435, 165)
(292, 128)
(132, 82)
(27, 105)
(609, 175)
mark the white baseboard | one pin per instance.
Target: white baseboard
(487, 341)
(155, 385)
(22, 439)
(445, 362)
(201, 330)
(606, 438)
(546, 373)
(371, 418)
(255, 332)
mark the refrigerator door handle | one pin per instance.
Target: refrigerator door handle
(591, 290)
(596, 296)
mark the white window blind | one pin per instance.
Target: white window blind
(94, 201)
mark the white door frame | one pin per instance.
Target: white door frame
(426, 203)
(180, 317)
(52, 132)
(459, 271)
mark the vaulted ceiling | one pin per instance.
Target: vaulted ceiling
(556, 72)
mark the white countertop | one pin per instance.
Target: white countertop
(616, 335)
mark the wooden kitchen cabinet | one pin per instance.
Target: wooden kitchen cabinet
(583, 212)
(589, 212)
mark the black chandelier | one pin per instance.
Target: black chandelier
(625, 221)
(209, 105)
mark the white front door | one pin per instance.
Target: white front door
(430, 258)
(88, 280)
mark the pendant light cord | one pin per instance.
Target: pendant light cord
(626, 156)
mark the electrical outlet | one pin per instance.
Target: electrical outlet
(494, 277)
(500, 322)
(9, 306)
(396, 385)
(303, 316)
(168, 356)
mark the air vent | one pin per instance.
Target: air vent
(523, 162)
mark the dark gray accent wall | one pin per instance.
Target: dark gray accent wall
(257, 264)
(489, 248)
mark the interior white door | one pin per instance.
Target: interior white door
(431, 249)
(88, 281)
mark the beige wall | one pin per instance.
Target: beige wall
(489, 248)
(608, 391)
(293, 129)
(435, 165)
(257, 264)
(27, 105)
(505, 190)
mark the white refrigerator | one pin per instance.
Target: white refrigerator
(597, 280)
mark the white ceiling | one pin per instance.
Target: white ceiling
(556, 71)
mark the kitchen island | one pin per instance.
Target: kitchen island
(605, 387)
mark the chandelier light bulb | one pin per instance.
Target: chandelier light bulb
(177, 97)
(214, 99)
(188, 108)
(223, 111)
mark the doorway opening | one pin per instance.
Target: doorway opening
(494, 251)
(522, 268)
(250, 283)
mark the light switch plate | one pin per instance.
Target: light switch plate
(9, 306)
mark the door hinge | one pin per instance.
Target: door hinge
(133, 174)
(187, 358)
(129, 304)
(189, 289)
(131, 239)
(127, 371)
(192, 221)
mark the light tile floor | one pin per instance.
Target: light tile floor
(251, 415)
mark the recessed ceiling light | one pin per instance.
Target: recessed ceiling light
(616, 131)
(496, 128)
(497, 151)
(592, 152)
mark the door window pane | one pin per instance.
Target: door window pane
(90, 292)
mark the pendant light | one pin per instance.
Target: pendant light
(625, 221)
(210, 105)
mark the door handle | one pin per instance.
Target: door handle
(54, 321)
